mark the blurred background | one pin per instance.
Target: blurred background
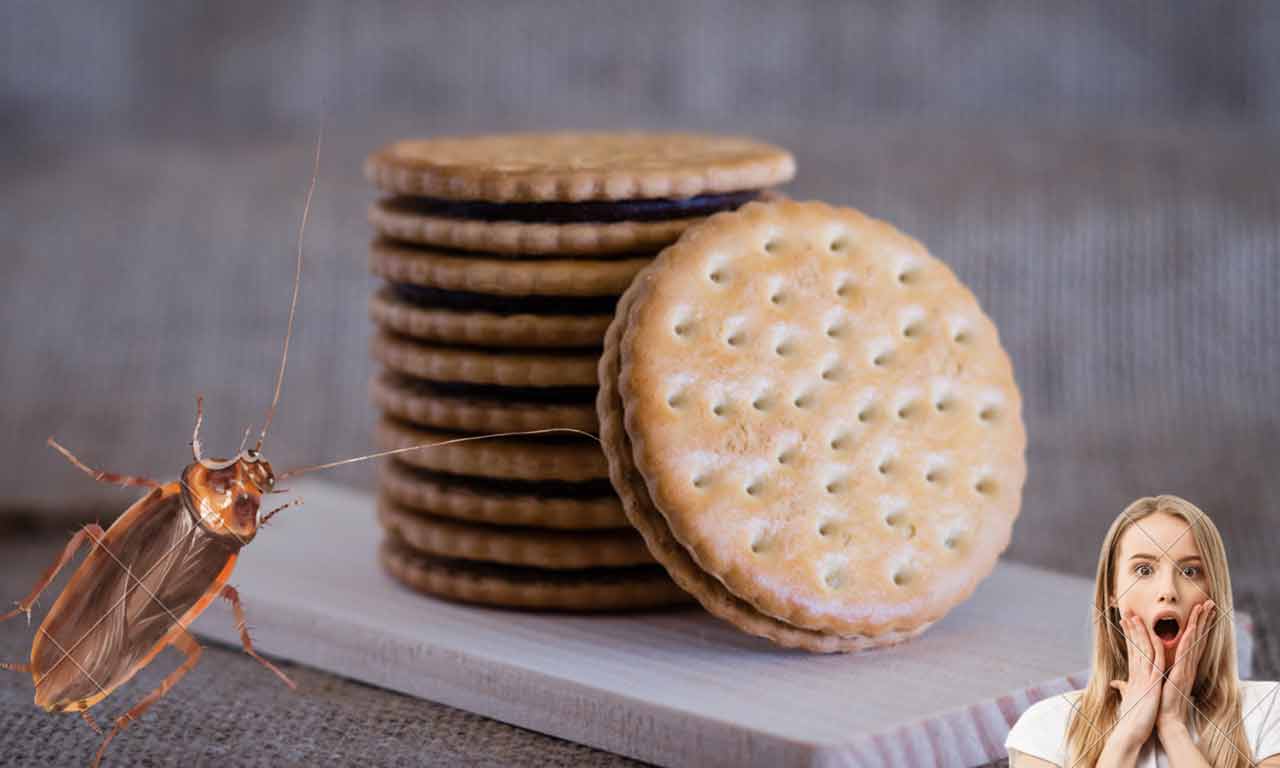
(1104, 176)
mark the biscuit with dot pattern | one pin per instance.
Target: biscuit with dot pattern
(824, 417)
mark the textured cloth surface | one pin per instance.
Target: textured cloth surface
(240, 68)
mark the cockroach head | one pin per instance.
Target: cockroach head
(226, 495)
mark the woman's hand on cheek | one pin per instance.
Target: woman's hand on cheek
(1175, 697)
(1139, 695)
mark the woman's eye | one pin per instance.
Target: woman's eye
(1194, 571)
(1140, 570)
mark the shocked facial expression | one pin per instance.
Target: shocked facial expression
(1160, 577)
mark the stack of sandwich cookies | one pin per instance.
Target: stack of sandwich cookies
(504, 257)
(813, 425)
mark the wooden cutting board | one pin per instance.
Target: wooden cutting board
(677, 687)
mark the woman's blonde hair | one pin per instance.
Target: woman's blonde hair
(1215, 693)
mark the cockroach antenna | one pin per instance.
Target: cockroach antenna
(244, 439)
(293, 305)
(195, 433)
(394, 451)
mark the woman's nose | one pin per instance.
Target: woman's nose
(1168, 585)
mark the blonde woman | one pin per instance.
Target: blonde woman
(1163, 689)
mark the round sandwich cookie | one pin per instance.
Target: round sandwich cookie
(542, 368)
(816, 414)
(557, 456)
(576, 167)
(631, 588)
(582, 284)
(539, 547)
(404, 313)
(429, 404)
(570, 506)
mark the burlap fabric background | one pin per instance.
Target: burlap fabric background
(1105, 180)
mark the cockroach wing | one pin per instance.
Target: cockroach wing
(155, 570)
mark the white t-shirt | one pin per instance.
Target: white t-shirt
(1042, 730)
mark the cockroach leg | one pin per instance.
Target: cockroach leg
(92, 531)
(103, 477)
(232, 596)
(15, 667)
(183, 642)
(88, 718)
(280, 508)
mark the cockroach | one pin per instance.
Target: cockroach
(161, 564)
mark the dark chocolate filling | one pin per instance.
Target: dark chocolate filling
(559, 489)
(591, 211)
(514, 396)
(437, 298)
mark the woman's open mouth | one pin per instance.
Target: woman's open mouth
(1167, 629)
